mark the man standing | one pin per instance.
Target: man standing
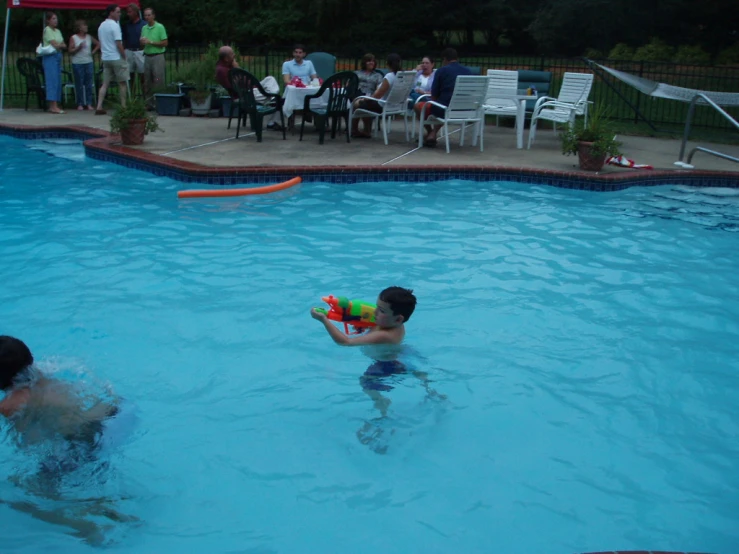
(132, 45)
(298, 67)
(154, 41)
(113, 56)
(442, 91)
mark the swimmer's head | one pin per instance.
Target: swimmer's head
(14, 358)
(399, 302)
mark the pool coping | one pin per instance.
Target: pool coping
(98, 146)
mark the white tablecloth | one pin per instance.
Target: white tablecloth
(295, 99)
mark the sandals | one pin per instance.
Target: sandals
(429, 143)
(361, 135)
(100, 112)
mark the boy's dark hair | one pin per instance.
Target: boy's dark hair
(298, 46)
(14, 358)
(449, 54)
(111, 8)
(401, 301)
(393, 62)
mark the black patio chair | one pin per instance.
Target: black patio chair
(33, 73)
(244, 84)
(341, 87)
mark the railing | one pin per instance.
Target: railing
(691, 110)
(625, 103)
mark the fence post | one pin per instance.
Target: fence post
(176, 56)
(266, 59)
(638, 96)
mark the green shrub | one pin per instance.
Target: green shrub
(692, 55)
(655, 51)
(730, 56)
(622, 52)
(594, 54)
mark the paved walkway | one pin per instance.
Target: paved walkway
(207, 141)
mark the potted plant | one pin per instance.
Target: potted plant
(201, 96)
(591, 141)
(132, 121)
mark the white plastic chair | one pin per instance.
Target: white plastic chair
(464, 107)
(572, 101)
(395, 104)
(502, 88)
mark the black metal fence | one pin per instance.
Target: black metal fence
(625, 102)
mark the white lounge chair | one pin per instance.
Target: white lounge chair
(464, 107)
(395, 104)
(572, 101)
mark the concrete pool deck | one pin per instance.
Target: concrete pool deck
(194, 141)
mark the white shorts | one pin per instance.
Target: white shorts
(135, 59)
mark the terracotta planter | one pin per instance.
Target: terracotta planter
(134, 133)
(588, 161)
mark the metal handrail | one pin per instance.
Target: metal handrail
(686, 134)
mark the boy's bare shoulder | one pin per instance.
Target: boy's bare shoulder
(14, 402)
(393, 335)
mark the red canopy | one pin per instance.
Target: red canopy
(65, 4)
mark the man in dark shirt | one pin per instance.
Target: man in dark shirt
(132, 44)
(442, 91)
(227, 61)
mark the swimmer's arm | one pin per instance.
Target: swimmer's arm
(377, 336)
(13, 402)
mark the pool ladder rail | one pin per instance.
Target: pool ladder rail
(688, 122)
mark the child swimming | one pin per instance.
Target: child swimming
(41, 407)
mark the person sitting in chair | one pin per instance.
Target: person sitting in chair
(226, 62)
(371, 104)
(298, 67)
(442, 90)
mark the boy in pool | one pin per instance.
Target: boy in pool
(42, 408)
(395, 306)
(50, 412)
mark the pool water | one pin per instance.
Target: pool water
(580, 351)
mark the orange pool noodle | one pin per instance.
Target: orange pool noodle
(238, 192)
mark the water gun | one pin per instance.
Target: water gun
(356, 313)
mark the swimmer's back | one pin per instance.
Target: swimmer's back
(55, 408)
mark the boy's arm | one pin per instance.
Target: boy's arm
(377, 336)
(14, 402)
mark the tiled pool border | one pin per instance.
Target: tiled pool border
(98, 146)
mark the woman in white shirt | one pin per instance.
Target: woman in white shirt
(424, 79)
(81, 49)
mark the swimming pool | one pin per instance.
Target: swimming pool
(585, 344)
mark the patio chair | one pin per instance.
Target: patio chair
(341, 88)
(571, 102)
(466, 106)
(502, 87)
(33, 73)
(244, 84)
(324, 63)
(396, 103)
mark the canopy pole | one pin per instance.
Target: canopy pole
(5, 60)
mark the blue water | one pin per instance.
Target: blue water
(580, 350)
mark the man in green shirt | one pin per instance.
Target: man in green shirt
(154, 41)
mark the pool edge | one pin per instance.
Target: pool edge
(98, 146)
